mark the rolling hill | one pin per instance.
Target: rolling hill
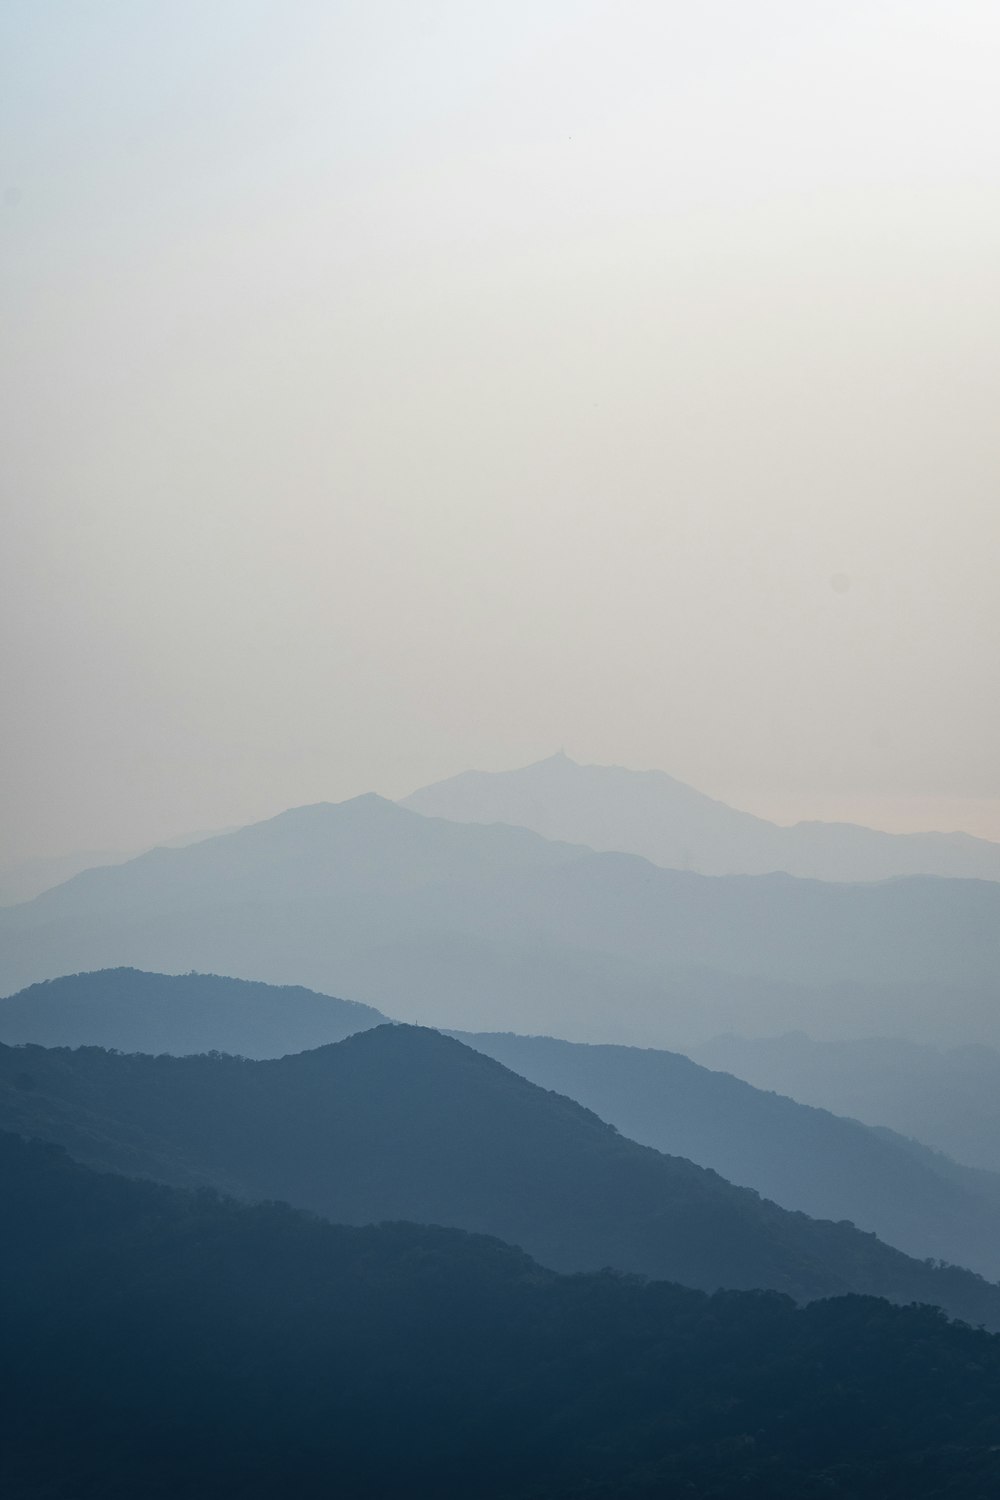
(402, 1123)
(133, 1011)
(800, 1157)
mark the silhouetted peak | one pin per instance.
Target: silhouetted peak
(402, 1039)
(651, 813)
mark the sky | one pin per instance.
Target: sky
(393, 387)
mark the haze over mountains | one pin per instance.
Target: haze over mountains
(649, 813)
(948, 1097)
(396, 388)
(402, 1123)
(497, 928)
(802, 1158)
(680, 1173)
(24, 879)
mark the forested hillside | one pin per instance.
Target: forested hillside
(182, 1347)
(402, 1123)
(801, 1157)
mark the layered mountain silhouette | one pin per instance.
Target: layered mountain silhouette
(402, 1123)
(801, 1157)
(496, 928)
(165, 1344)
(133, 1011)
(649, 813)
(948, 1097)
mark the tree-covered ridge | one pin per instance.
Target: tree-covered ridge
(172, 1344)
(800, 1157)
(402, 1123)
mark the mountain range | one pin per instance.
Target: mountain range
(804, 1158)
(399, 1122)
(496, 928)
(800, 1157)
(652, 814)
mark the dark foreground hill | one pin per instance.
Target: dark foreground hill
(801, 1157)
(133, 1011)
(163, 1344)
(494, 928)
(402, 1123)
(652, 814)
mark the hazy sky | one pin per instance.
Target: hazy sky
(391, 388)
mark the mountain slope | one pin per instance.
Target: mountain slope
(494, 928)
(649, 813)
(25, 879)
(800, 1157)
(132, 1011)
(166, 1345)
(949, 1098)
(398, 1122)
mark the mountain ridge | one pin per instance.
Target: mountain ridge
(947, 1097)
(795, 1154)
(798, 1156)
(399, 1122)
(675, 825)
(497, 928)
(131, 1010)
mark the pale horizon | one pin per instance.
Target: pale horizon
(392, 390)
(885, 814)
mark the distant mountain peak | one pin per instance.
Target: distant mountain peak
(652, 814)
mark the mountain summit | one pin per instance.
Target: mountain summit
(674, 825)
